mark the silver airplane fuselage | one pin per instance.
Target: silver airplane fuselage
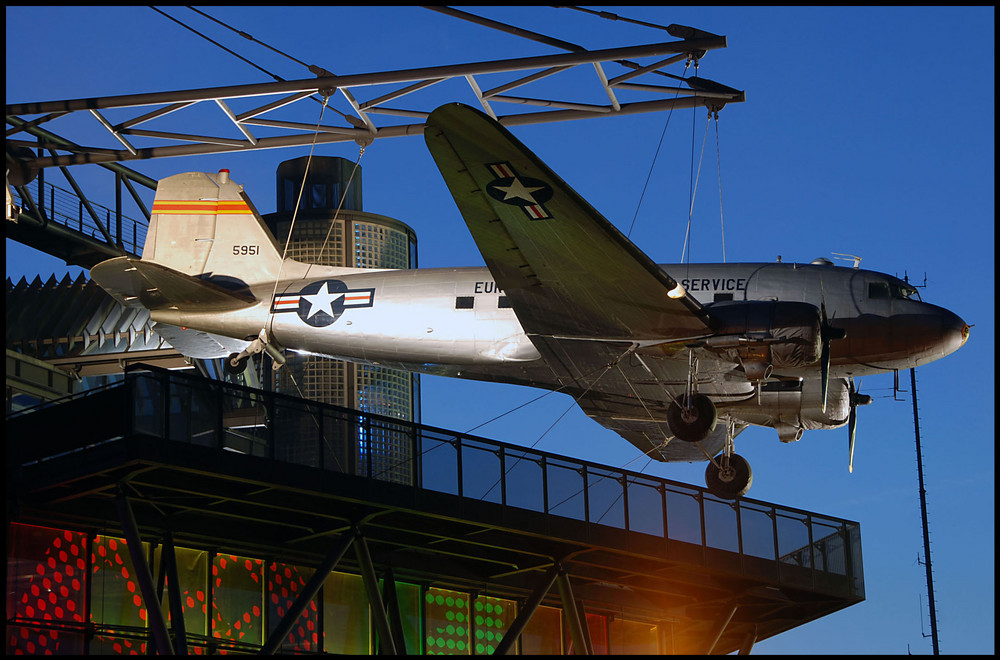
(455, 321)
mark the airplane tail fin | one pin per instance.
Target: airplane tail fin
(203, 225)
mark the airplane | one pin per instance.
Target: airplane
(677, 359)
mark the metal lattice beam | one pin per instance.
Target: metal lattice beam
(252, 111)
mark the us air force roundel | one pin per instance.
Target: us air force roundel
(322, 302)
(527, 193)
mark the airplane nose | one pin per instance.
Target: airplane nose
(954, 332)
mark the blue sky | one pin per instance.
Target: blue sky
(867, 131)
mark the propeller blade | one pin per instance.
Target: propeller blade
(852, 423)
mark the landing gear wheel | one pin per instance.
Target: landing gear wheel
(234, 366)
(732, 480)
(695, 423)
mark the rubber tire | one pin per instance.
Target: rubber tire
(736, 485)
(235, 369)
(703, 422)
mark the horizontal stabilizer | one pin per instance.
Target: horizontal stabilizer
(135, 282)
(198, 344)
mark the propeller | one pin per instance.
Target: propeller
(855, 399)
(827, 333)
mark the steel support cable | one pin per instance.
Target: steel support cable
(318, 71)
(606, 15)
(656, 154)
(694, 188)
(718, 158)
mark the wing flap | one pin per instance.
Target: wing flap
(566, 270)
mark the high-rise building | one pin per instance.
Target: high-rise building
(331, 229)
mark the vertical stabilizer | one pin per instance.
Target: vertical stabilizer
(204, 225)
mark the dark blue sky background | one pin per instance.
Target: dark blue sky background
(867, 131)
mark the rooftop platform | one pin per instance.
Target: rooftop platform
(257, 473)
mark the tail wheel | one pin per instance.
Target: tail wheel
(729, 478)
(694, 423)
(234, 366)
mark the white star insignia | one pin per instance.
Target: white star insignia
(322, 301)
(518, 189)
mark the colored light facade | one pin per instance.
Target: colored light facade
(228, 601)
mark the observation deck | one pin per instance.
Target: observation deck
(250, 472)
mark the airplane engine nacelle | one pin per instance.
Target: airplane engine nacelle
(792, 407)
(763, 335)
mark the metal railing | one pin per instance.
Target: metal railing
(66, 208)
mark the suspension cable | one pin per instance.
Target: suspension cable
(718, 158)
(656, 155)
(694, 188)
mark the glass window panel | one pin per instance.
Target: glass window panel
(597, 624)
(543, 633)
(346, 620)
(633, 638)
(284, 582)
(565, 486)
(446, 621)
(298, 436)
(46, 577)
(112, 645)
(645, 507)
(115, 596)
(147, 407)
(683, 516)
(408, 596)
(237, 598)
(192, 574)
(491, 618)
(606, 498)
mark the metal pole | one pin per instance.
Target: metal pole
(923, 516)
(371, 587)
(168, 557)
(307, 594)
(526, 612)
(572, 614)
(143, 576)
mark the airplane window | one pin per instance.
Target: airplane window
(903, 292)
(878, 290)
(503, 303)
(464, 302)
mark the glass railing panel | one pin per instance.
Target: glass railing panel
(683, 514)
(645, 506)
(565, 489)
(720, 524)
(757, 530)
(439, 462)
(523, 476)
(606, 497)
(481, 476)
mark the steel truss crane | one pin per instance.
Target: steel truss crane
(252, 112)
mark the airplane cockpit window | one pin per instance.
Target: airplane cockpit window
(878, 290)
(903, 292)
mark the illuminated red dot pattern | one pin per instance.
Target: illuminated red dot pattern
(284, 582)
(49, 591)
(238, 589)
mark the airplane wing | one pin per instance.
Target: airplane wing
(584, 293)
(565, 269)
(133, 281)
